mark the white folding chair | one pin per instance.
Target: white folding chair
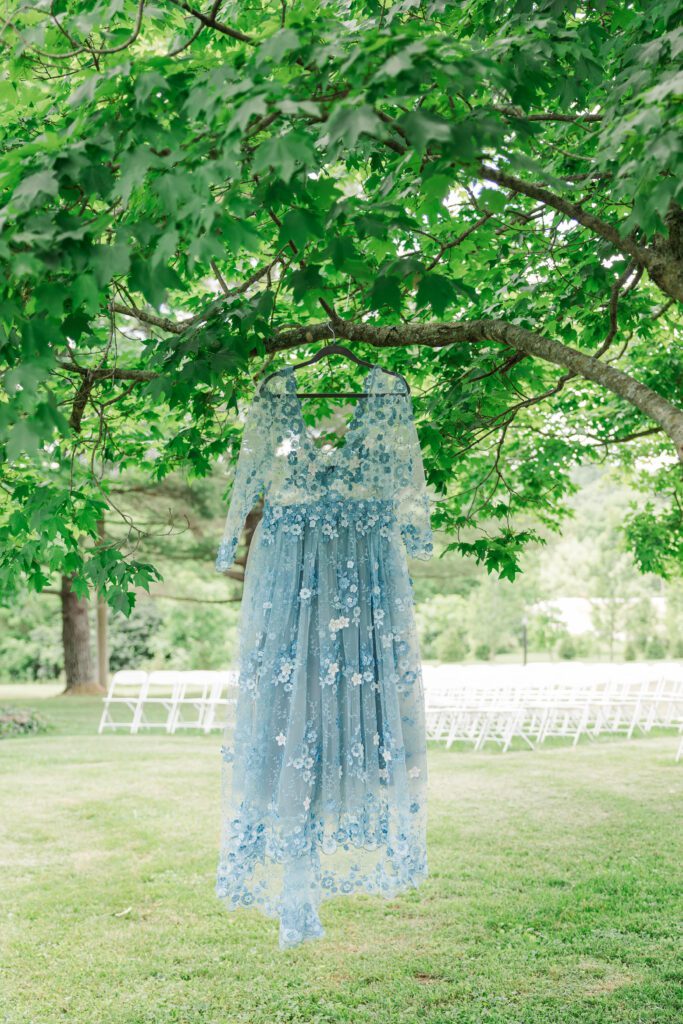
(158, 700)
(126, 689)
(192, 699)
(222, 697)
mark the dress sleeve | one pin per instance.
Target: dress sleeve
(248, 481)
(411, 497)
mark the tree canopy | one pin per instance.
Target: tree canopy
(490, 193)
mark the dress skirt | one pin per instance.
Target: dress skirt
(324, 765)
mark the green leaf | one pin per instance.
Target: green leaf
(347, 124)
(134, 167)
(121, 601)
(436, 291)
(279, 44)
(239, 235)
(51, 298)
(437, 186)
(299, 226)
(85, 294)
(110, 261)
(29, 191)
(402, 60)
(253, 107)
(386, 294)
(25, 378)
(285, 154)
(493, 200)
(305, 281)
(80, 587)
(166, 246)
(422, 129)
(152, 280)
(22, 439)
(85, 91)
(147, 83)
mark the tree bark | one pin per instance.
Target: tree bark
(102, 627)
(667, 255)
(78, 662)
(252, 521)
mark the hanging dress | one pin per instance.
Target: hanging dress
(324, 767)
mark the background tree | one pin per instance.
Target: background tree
(490, 194)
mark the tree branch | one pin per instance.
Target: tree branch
(655, 406)
(104, 373)
(180, 326)
(614, 306)
(166, 324)
(569, 118)
(81, 398)
(92, 50)
(210, 22)
(439, 335)
(629, 437)
(609, 232)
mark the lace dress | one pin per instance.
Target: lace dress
(324, 768)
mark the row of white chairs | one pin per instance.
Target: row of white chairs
(463, 703)
(167, 700)
(467, 706)
(552, 673)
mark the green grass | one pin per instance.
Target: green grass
(553, 897)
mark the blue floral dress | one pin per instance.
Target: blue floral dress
(324, 767)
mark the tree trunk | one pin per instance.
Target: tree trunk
(252, 521)
(78, 663)
(667, 266)
(102, 624)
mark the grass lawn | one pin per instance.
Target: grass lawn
(554, 894)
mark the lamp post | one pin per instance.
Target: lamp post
(524, 640)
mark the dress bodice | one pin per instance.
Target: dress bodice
(380, 459)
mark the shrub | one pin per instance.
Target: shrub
(199, 636)
(21, 722)
(677, 647)
(442, 625)
(630, 653)
(566, 648)
(451, 645)
(133, 641)
(656, 647)
(36, 656)
(571, 646)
